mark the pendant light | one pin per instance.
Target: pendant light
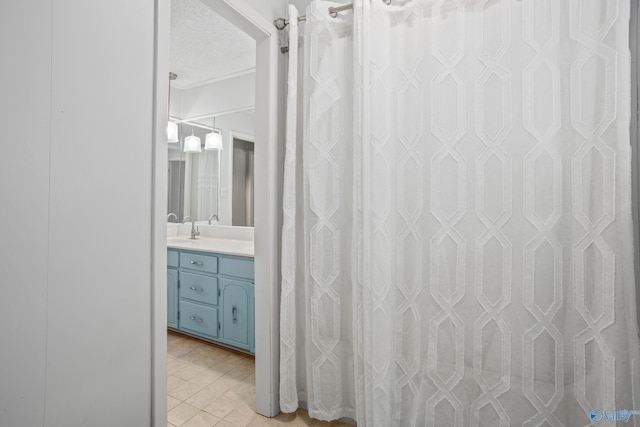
(192, 144)
(213, 140)
(172, 132)
(172, 127)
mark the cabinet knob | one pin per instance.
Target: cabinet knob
(193, 288)
(196, 319)
(195, 262)
(234, 314)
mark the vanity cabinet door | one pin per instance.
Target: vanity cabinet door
(172, 298)
(237, 313)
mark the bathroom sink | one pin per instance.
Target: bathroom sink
(181, 239)
(212, 244)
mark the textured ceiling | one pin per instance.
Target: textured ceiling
(205, 46)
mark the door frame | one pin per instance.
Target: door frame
(267, 196)
(634, 47)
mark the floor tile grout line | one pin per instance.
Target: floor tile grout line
(187, 352)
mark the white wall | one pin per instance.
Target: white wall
(232, 94)
(24, 191)
(76, 306)
(269, 9)
(175, 103)
(75, 311)
(218, 97)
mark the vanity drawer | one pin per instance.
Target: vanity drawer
(173, 258)
(199, 288)
(198, 319)
(199, 262)
(237, 267)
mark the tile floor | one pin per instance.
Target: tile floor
(212, 386)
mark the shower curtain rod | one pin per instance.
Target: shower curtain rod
(281, 23)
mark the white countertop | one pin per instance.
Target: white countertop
(211, 244)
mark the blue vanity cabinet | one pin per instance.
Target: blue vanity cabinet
(237, 302)
(199, 288)
(172, 288)
(237, 313)
(172, 298)
(198, 293)
(214, 297)
(199, 319)
(200, 262)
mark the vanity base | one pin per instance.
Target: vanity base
(208, 341)
(211, 296)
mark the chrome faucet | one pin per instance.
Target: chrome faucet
(213, 216)
(195, 232)
(171, 214)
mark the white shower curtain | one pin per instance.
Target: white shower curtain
(457, 239)
(201, 184)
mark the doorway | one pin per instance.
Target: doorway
(243, 183)
(175, 198)
(268, 155)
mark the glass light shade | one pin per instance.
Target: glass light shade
(213, 141)
(192, 144)
(172, 132)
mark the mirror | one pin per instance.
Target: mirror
(209, 183)
(242, 184)
(194, 178)
(215, 87)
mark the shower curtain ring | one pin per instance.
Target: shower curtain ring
(280, 23)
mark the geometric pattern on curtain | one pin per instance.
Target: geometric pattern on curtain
(457, 237)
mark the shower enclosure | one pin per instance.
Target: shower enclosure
(458, 238)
